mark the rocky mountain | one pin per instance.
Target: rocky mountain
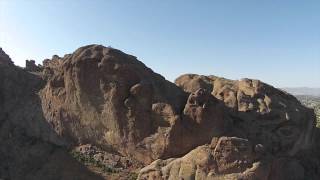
(99, 113)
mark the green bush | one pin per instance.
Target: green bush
(133, 176)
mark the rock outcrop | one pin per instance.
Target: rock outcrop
(224, 158)
(109, 106)
(105, 97)
(29, 148)
(4, 58)
(32, 67)
(260, 112)
(269, 131)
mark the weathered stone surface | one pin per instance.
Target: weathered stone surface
(105, 97)
(260, 112)
(271, 129)
(224, 158)
(29, 148)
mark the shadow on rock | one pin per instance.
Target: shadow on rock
(29, 148)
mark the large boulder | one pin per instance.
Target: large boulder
(102, 96)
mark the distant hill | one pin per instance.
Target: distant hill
(303, 91)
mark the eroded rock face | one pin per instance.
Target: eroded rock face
(260, 112)
(203, 117)
(269, 129)
(227, 158)
(224, 158)
(29, 148)
(105, 97)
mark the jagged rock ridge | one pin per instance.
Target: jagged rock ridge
(4, 58)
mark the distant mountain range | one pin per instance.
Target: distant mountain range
(303, 91)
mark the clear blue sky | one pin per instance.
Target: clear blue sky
(277, 41)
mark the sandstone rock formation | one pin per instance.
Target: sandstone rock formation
(269, 130)
(260, 112)
(224, 158)
(201, 127)
(105, 97)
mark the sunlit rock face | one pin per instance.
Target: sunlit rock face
(259, 112)
(103, 96)
(224, 158)
(269, 130)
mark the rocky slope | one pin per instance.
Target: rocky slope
(201, 127)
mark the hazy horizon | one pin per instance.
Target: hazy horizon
(276, 42)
